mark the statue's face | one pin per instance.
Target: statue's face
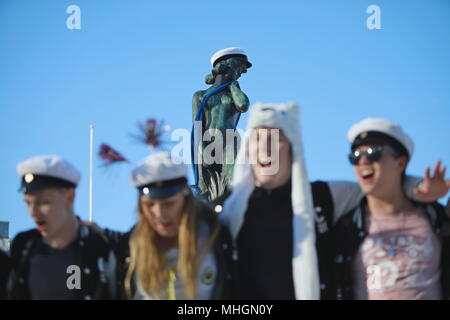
(237, 66)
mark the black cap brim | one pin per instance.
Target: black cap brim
(379, 138)
(249, 65)
(162, 192)
(40, 182)
(163, 189)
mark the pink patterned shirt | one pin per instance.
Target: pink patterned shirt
(399, 259)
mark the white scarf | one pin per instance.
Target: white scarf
(304, 256)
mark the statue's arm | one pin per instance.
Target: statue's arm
(240, 99)
(196, 103)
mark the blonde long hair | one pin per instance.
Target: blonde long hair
(148, 263)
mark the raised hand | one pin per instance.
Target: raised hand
(433, 187)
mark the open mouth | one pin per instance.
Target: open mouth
(265, 164)
(40, 224)
(367, 174)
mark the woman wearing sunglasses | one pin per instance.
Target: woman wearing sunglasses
(389, 247)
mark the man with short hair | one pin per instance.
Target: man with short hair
(59, 259)
(389, 247)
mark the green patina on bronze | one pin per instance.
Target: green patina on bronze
(221, 112)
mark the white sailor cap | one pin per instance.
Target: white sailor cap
(284, 116)
(41, 172)
(379, 131)
(159, 176)
(225, 53)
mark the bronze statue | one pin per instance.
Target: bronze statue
(218, 107)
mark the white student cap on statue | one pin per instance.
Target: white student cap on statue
(160, 176)
(225, 53)
(47, 171)
(379, 131)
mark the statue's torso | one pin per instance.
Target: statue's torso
(220, 111)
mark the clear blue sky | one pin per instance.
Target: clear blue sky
(133, 60)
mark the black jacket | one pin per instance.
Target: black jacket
(350, 231)
(222, 250)
(5, 268)
(324, 208)
(97, 265)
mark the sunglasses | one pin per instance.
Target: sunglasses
(372, 154)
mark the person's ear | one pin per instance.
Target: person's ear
(70, 197)
(402, 162)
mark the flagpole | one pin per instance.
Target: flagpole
(91, 143)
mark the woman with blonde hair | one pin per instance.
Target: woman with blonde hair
(178, 249)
